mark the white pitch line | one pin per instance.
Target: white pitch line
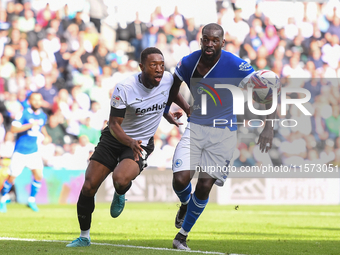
(115, 245)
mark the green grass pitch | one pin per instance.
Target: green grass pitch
(249, 230)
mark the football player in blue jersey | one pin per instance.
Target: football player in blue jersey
(28, 127)
(203, 144)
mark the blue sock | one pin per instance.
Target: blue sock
(195, 208)
(184, 195)
(35, 187)
(7, 187)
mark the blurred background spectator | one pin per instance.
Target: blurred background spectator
(75, 52)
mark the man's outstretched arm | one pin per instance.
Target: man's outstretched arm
(176, 97)
(267, 134)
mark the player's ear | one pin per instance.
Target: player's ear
(223, 43)
(141, 66)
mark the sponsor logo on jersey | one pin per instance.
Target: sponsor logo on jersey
(245, 66)
(155, 107)
(165, 93)
(115, 101)
(178, 163)
(179, 64)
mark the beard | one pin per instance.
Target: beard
(34, 108)
(213, 56)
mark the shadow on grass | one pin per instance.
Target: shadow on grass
(251, 247)
(262, 235)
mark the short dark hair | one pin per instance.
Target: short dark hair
(33, 93)
(213, 26)
(146, 52)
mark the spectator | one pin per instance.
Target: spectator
(72, 38)
(62, 57)
(91, 133)
(158, 20)
(313, 85)
(14, 39)
(291, 29)
(98, 11)
(7, 145)
(25, 52)
(2, 128)
(257, 15)
(165, 48)
(101, 52)
(237, 30)
(98, 116)
(270, 39)
(98, 93)
(10, 11)
(77, 20)
(90, 35)
(315, 56)
(45, 15)
(55, 130)
(334, 29)
(191, 30)
(13, 106)
(252, 42)
(36, 35)
(27, 22)
(245, 158)
(179, 20)
(48, 92)
(331, 52)
(333, 122)
(137, 29)
(7, 69)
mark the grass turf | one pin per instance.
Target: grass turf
(248, 230)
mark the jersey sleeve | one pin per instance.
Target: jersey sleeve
(19, 120)
(244, 71)
(180, 70)
(118, 98)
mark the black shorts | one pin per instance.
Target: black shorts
(109, 151)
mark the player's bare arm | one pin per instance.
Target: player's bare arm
(23, 128)
(117, 131)
(176, 97)
(267, 134)
(47, 137)
(180, 101)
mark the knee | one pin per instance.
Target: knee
(203, 188)
(180, 181)
(120, 181)
(89, 188)
(38, 175)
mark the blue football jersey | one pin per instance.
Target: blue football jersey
(218, 102)
(26, 142)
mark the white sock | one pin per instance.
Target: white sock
(183, 232)
(31, 199)
(85, 233)
(4, 198)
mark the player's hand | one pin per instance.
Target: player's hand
(47, 140)
(173, 117)
(137, 149)
(265, 139)
(35, 123)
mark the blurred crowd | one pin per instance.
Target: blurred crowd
(66, 56)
